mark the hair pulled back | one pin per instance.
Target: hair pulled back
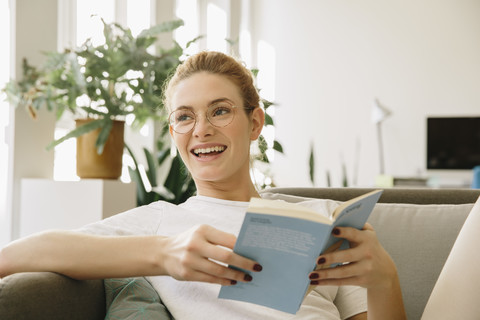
(215, 63)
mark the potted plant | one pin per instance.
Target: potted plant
(101, 85)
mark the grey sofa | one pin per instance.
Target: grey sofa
(417, 227)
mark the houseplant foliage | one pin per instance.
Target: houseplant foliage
(104, 83)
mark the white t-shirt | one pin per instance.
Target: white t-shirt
(197, 300)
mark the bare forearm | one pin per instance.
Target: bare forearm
(82, 256)
(386, 303)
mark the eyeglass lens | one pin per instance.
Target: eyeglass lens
(219, 115)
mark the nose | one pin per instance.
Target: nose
(203, 127)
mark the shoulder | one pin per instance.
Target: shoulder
(143, 220)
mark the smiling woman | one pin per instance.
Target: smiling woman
(186, 250)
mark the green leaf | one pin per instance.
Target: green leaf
(189, 43)
(277, 146)
(141, 191)
(267, 104)
(152, 168)
(104, 134)
(163, 27)
(162, 156)
(262, 144)
(81, 130)
(176, 176)
(135, 176)
(268, 120)
(311, 165)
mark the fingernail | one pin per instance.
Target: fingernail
(313, 276)
(233, 282)
(314, 283)
(336, 231)
(321, 260)
(247, 278)
(257, 267)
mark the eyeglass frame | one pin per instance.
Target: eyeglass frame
(234, 108)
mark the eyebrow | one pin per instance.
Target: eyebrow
(209, 104)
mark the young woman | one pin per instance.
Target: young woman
(184, 249)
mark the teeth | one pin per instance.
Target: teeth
(208, 150)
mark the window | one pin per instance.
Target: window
(4, 120)
(187, 10)
(217, 31)
(88, 17)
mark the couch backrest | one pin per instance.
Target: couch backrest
(416, 226)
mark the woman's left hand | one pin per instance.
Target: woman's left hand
(365, 263)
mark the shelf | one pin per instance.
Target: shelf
(47, 204)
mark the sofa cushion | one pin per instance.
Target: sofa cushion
(427, 234)
(133, 298)
(50, 296)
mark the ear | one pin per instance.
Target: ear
(171, 131)
(258, 120)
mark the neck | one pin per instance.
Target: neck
(239, 192)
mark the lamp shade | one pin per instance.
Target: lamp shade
(379, 112)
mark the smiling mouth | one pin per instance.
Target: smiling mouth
(203, 152)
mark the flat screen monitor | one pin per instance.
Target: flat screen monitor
(453, 142)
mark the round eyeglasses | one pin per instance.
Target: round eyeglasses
(219, 114)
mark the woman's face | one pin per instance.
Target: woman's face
(215, 154)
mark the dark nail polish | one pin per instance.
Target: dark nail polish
(247, 278)
(233, 282)
(257, 267)
(336, 231)
(313, 276)
(314, 283)
(321, 260)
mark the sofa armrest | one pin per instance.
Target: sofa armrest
(46, 295)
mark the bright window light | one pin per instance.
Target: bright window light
(89, 24)
(188, 12)
(138, 15)
(216, 28)
(266, 78)
(245, 47)
(65, 161)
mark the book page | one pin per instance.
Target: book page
(286, 209)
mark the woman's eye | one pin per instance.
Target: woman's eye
(183, 117)
(221, 110)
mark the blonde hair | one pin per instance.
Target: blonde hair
(220, 64)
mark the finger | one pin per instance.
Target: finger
(219, 238)
(350, 234)
(228, 257)
(347, 270)
(206, 277)
(368, 226)
(222, 271)
(340, 256)
(354, 281)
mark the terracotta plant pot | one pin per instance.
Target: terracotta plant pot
(108, 165)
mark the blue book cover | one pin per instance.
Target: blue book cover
(286, 239)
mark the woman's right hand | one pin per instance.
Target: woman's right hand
(204, 253)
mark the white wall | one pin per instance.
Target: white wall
(332, 58)
(28, 138)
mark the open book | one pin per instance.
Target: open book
(286, 239)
